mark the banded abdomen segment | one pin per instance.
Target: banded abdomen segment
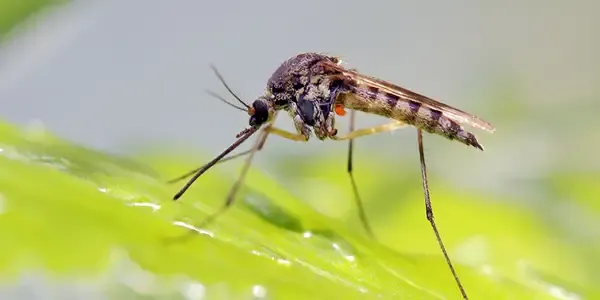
(371, 99)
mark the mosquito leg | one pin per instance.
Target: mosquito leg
(429, 213)
(286, 134)
(350, 137)
(260, 143)
(236, 186)
(368, 131)
(262, 139)
(233, 192)
(361, 210)
(257, 146)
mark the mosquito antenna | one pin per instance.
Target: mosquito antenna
(429, 213)
(227, 86)
(242, 136)
(224, 100)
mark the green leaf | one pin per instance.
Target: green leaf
(70, 213)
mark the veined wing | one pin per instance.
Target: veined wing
(450, 112)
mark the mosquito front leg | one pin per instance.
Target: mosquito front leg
(361, 210)
(368, 131)
(233, 192)
(287, 134)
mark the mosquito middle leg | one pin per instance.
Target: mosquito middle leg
(350, 137)
(361, 210)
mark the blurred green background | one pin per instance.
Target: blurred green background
(85, 222)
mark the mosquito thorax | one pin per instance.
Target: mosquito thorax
(293, 76)
(300, 86)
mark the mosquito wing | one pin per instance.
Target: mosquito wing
(455, 114)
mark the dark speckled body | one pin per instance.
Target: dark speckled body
(294, 75)
(372, 100)
(301, 87)
(308, 86)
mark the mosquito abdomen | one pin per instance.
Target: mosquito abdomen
(371, 99)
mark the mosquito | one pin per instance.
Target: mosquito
(313, 88)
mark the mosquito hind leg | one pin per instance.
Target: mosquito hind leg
(429, 213)
(361, 210)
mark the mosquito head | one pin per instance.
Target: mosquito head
(259, 112)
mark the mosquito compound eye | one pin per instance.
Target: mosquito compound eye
(261, 113)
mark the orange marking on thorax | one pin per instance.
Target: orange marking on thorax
(340, 110)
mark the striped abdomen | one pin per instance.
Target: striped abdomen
(370, 99)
